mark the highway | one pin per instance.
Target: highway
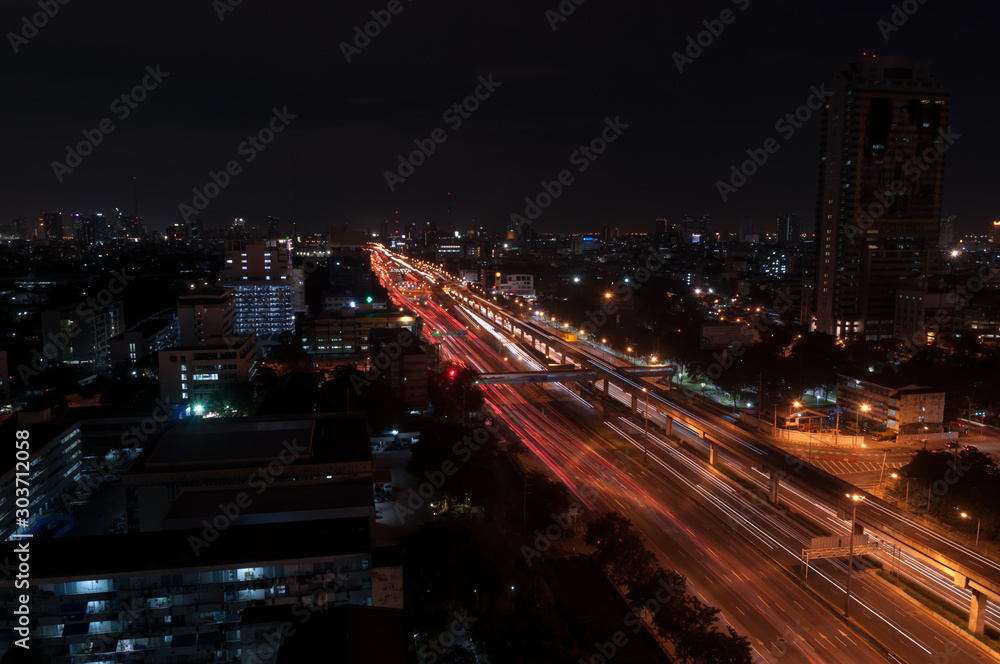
(691, 518)
(873, 513)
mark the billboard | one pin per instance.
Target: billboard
(724, 336)
(901, 165)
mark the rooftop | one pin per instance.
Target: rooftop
(252, 442)
(298, 501)
(206, 293)
(890, 382)
(125, 555)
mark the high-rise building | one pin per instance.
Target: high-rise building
(130, 226)
(273, 228)
(789, 228)
(662, 226)
(947, 233)
(238, 229)
(52, 225)
(746, 231)
(83, 229)
(881, 170)
(705, 228)
(178, 232)
(103, 231)
(687, 228)
(512, 230)
(21, 227)
(260, 274)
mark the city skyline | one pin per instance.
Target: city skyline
(337, 143)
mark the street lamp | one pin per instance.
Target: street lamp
(979, 522)
(906, 500)
(864, 407)
(855, 499)
(798, 404)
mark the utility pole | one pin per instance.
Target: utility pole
(885, 453)
(855, 498)
(760, 399)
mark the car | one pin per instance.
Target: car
(970, 448)
(950, 446)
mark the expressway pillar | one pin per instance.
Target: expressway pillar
(977, 612)
(635, 405)
(668, 426)
(605, 381)
(773, 493)
(713, 450)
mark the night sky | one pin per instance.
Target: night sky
(557, 87)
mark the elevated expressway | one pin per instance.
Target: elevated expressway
(968, 568)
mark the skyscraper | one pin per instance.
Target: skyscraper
(789, 228)
(881, 170)
(947, 233)
(705, 228)
(21, 228)
(52, 225)
(687, 228)
(273, 228)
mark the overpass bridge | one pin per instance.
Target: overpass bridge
(969, 569)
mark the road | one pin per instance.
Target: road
(700, 525)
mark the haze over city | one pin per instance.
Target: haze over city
(228, 68)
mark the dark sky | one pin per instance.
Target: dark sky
(607, 59)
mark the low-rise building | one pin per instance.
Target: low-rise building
(175, 596)
(4, 378)
(405, 365)
(52, 461)
(515, 285)
(82, 334)
(348, 332)
(204, 313)
(175, 479)
(159, 331)
(901, 407)
(194, 373)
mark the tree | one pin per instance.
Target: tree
(621, 551)
(452, 388)
(710, 646)
(547, 498)
(294, 392)
(288, 357)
